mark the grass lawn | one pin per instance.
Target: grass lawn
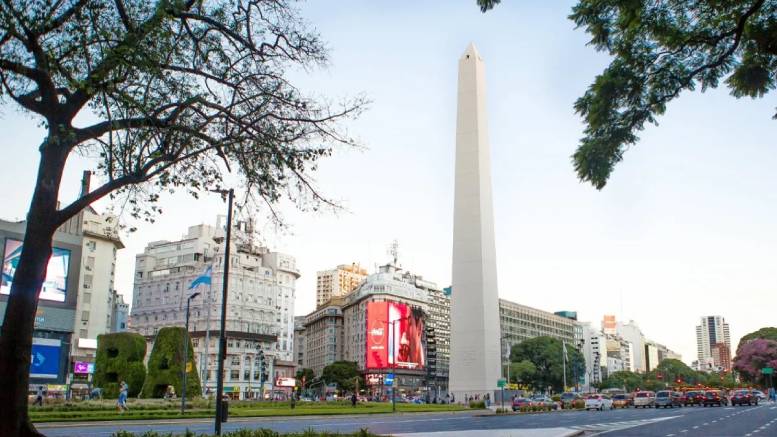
(155, 409)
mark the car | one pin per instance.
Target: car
(742, 397)
(568, 399)
(644, 399)
(543, 401)
(622, 400)
(668, 399)
(520, 402)
(761, 396)
(694, 397)
(598, 402)
(714, 397)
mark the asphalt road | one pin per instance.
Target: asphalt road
(679, 422)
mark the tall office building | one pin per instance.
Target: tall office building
(710, 331)
(338, 282)
(475, 349)
(260, 313)
(609, 326)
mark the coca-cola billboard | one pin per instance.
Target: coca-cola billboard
(394, 330)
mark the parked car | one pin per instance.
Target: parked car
(520, 402)
(644, 399)
(543, 401)
(761, 396)
(569, 398)
(623, 400)
(667, 399)
(714, 397)
(742, 397)
(598, 402)
(694, 398)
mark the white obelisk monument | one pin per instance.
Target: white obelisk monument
(475, 360)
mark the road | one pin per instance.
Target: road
(680, 422)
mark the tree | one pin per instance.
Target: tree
(343, 373)
(624, 379)
(307, 376)
(522, 372)
(546, 354)
(754, 356)
(120, 358)
(764, 333)
(659, 50)
(675, 372)
(180, 92)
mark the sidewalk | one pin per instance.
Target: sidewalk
(532, 432)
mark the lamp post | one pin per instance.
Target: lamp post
(222, 329)
(186, 351)
(394, 363)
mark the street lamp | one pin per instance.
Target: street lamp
(222, 329)
(394, 363)
(186, 350)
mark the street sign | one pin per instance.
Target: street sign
(767, 370)
(501, 383)
(388, 379)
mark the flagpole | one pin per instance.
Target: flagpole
(207, 337)
(564, 355)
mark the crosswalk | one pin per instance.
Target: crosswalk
(615, 426)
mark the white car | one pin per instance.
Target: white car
(598, 402)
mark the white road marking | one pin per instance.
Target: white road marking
(696, 427)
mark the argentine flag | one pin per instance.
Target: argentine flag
(204, 278)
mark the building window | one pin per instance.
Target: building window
(87, 297)
(84, 316)
(82, 333)
(234, 374)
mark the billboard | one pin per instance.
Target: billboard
(394, 336)
(44, 359)
(54, 286)
(286, 382)
(83, 367)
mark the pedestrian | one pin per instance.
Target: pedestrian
(39, 396)
(122, 402)
(293, 402)
(353, 400)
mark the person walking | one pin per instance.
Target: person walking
(293, 402)
(353, 400)
(122, 402)
(39, 396)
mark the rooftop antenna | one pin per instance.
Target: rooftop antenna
(394, 251)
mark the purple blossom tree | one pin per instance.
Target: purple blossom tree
(754, 356)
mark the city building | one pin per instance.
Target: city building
(622, 349)
(593, 347)
(609, 326)
(338, 282)
(615, 364)
(299, 341)
(631, 333)
(568, 314)
(324, 342)
(520, 322)
(475, 363)
(120, 314)
(721, 357)
(710, 331)
(651, 356)
(260, 315)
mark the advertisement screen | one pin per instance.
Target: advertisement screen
(83, 367)
(54, 286)
(44, 360)
(394, 336)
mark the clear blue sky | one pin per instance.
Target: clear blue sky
(685, 227)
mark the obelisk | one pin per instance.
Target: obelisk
(475, 333)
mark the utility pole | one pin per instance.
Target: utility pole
(222, 330)
(186, 352)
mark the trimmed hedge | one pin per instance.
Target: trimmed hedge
(120, 358)
(165, 364)
(253, 433)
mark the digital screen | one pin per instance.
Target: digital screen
(54, 286)
(83, 367)
(394, 336)
(44, 359)
(286, 382)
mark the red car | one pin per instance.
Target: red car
(714, 397)
(742, 397)
(520, 402)
(694, 398)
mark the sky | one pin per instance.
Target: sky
(684, 228)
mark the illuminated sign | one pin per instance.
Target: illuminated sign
(54, 286)
(286, 382)
(394, 336)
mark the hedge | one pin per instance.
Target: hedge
(165, 365)
(120, 358)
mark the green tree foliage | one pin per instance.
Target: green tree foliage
(660, 49)
(545, 353)
(673, 371)
(120, 358)
(165, 364)
(522, 372)
(169, 95)
(343, 373)
(623, 379)
(308, 375)
(764, 333)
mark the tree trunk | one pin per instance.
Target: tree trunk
(18, 325)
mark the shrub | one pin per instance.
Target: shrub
(120, 358)
(477, 404)
(166, 363)
(578, 404)
(556, 398)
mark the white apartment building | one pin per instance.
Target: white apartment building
(710, 331)
(594, 349)
(631, 333)
(338, 282)
(97, 297)
(260, 313)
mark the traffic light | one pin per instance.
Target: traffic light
(262, 367)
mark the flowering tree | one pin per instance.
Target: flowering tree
(754, 356)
